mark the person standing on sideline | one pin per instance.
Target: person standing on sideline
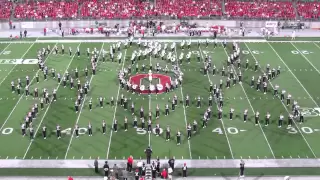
(242, 169)
(170, 171)
(184, 170)
(148, 152)
(164, 174)
(171, 163)
(106, 169)
(129, 163)
(96, 168)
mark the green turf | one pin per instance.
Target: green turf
(220, 140)
(260, 172)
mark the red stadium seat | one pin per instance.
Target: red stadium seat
(308, 10)
(260, 9)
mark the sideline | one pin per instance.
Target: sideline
(231, 163)
(188, 178)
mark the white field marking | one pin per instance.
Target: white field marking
(293, 74)
(224, 129)
(7, 47)
(15, 64)
(15, 106)
(44, 115)
(149, 134)
(282, 101)
(184, 107)
(82, 105)
(305, 58)
(116, 106)
(245, 93)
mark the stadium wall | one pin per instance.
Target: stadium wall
(111, 23)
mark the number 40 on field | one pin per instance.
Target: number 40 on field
(5, 52)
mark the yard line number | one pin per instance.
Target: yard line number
(141, 131)
(301, 52)
(305, 130)
(230, 130)
(253, 52)
(5, 52)
(206, 53)
(310, 112)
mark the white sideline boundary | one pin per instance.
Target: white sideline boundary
(143, 40)
(230, 163)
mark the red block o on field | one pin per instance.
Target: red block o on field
(136, 80)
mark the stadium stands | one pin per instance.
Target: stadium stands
(123, 9)
(5, 9)
(309, 10)
(48, 9)
(260, 9)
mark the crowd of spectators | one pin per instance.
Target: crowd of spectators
(123, 9)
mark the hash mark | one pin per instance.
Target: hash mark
(307, 157)
(73, 157)
(182, 157)
(224, 157)
(240, 157)
(16, 157)
(291, 157)
(7, 157)
(216, 157)
(57, 157)
(31, 157)
(199, 157)
(81, 157)
(165, 157)
(90, 157)
(48, 157)
(207, 157)
(298, 156)
(282, 157)
(258, 157)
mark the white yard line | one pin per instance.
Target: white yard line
(245, 93)
(293, 74)
(316, 45)
(305, 58)
(15, 106)
(116, 106)
(223, 126)
(14, 65)
(149, 134)
(6, 48)
(78, 118)
(283, 102)
(183, 105)
(44, 115)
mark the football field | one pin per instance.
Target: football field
(221, 139)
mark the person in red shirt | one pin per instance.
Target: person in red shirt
(70, 178)
(129, 163)
(164, 174)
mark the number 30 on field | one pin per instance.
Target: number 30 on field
(305, 130)
(301, 52)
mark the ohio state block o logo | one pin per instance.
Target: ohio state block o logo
(137, 83)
